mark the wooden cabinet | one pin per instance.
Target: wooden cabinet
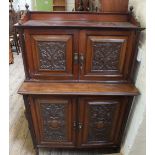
(79, 85)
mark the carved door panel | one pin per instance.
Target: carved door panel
(105, 55)
(54, 120)
(101, 120)
(51, 54)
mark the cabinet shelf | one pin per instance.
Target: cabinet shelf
(77, 89)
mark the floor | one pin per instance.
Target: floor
(20, 139)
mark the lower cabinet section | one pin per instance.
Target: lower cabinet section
(101, 119)
(53, 119)
(77, 121)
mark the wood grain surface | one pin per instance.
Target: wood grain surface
(77, 89)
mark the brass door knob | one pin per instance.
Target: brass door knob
(81, 61)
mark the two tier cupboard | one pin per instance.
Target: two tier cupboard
(79, 69)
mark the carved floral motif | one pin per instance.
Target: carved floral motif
(106, 55)
(54, 124)
(52, 55)
(100, 121)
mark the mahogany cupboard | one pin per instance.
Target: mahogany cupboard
(79, 70)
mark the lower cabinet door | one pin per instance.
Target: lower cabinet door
(102, 120)
(53, 120)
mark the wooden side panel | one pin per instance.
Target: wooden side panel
(50, 54)
(53, 119)
(106, 55)
(102, 119)
(114, 6)
(79, 16)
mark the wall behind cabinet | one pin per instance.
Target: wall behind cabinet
(70, 5)
(21, 4)
(135, 139)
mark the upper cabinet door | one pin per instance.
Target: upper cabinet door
(105, 55)
(101, 120)
(54, 120)
(51, 54)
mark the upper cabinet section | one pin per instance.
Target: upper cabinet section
(79, 47)
(79, 55)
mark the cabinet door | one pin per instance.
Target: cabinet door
(105, 55)
(102, 120)
(54, 120)
(50, 54)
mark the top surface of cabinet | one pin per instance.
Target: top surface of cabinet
(80, 19)
(91, 24)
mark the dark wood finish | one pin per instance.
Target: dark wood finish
(23, 49)
(77, 89)
(27, 103)
(53, 120)
(69, 121)
(101, 120)
(50, 54)
(107, 55)
(105, 150)
(79, 24)
(79, 40)
(92, 58)
(73, 16)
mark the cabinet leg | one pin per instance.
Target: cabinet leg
(37, 151)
